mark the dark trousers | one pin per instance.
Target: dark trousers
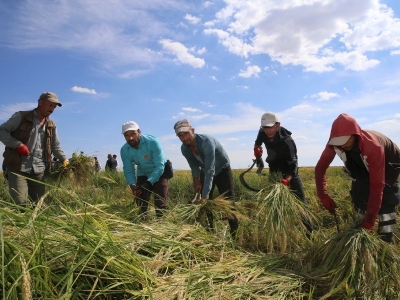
(224, 183)
(296, 186)
(159, 190)
(387, 214)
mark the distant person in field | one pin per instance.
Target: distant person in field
(152, 171)
(372, 160)
(97, 165)
(108, 164)
(115, 161)
(112, 163)
(281, 154)
(31, 139)
(209, 164)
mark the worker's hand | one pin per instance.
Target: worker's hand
(258, 151)
(23, 150)
(285, 181)
(366, 223)
(136, 190)
(201, 201)
(197, 185)
(65, 163)
(328, 203)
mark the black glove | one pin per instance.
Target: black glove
(259, 162)
(260, 165)
(146, 187)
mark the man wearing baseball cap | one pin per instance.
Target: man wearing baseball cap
(209, 164)
(372, 160)
(153, 168)
(31, 140)
(281, 152)
(281, 155)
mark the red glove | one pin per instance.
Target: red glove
(366, 223)
(285, 182)
(23, 150)
(258, 151)
(328, 203)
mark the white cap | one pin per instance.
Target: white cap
(339, 141)
(130, 125)
(269, 119)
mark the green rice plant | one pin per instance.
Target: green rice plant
(356, 263)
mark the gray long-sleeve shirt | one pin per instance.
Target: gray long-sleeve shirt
(212, 159)
(36, 143)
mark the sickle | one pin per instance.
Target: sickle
(243, 182)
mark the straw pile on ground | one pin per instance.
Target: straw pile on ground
(68, 248)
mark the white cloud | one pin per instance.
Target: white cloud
(182, 53)
(214, 78)
(310, 30)
(324, 96)
(133, 73)
(192, 19)
(250, 71)
(83, 90)
(116, 34)
(201, 51)
(190, 109)
(208, 104)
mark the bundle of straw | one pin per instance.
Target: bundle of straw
(280, 222)
(357, 263)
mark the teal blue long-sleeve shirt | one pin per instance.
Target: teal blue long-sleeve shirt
(213, 160)
(148, 157)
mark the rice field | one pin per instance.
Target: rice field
(85, 240)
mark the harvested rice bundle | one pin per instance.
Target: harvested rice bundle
(357, 263)
(281, 222)
(183, 213)
(220, 209)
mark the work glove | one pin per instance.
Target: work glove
(65, 163)
(259, 162)
(23, 150)
(136, 190)
(285, 182)
(328, 203)
(146, 187)
(258, 151)
(366, 223)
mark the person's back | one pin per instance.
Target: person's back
(97, 166)
(109, 165)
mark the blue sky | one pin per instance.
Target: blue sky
(220, 64)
